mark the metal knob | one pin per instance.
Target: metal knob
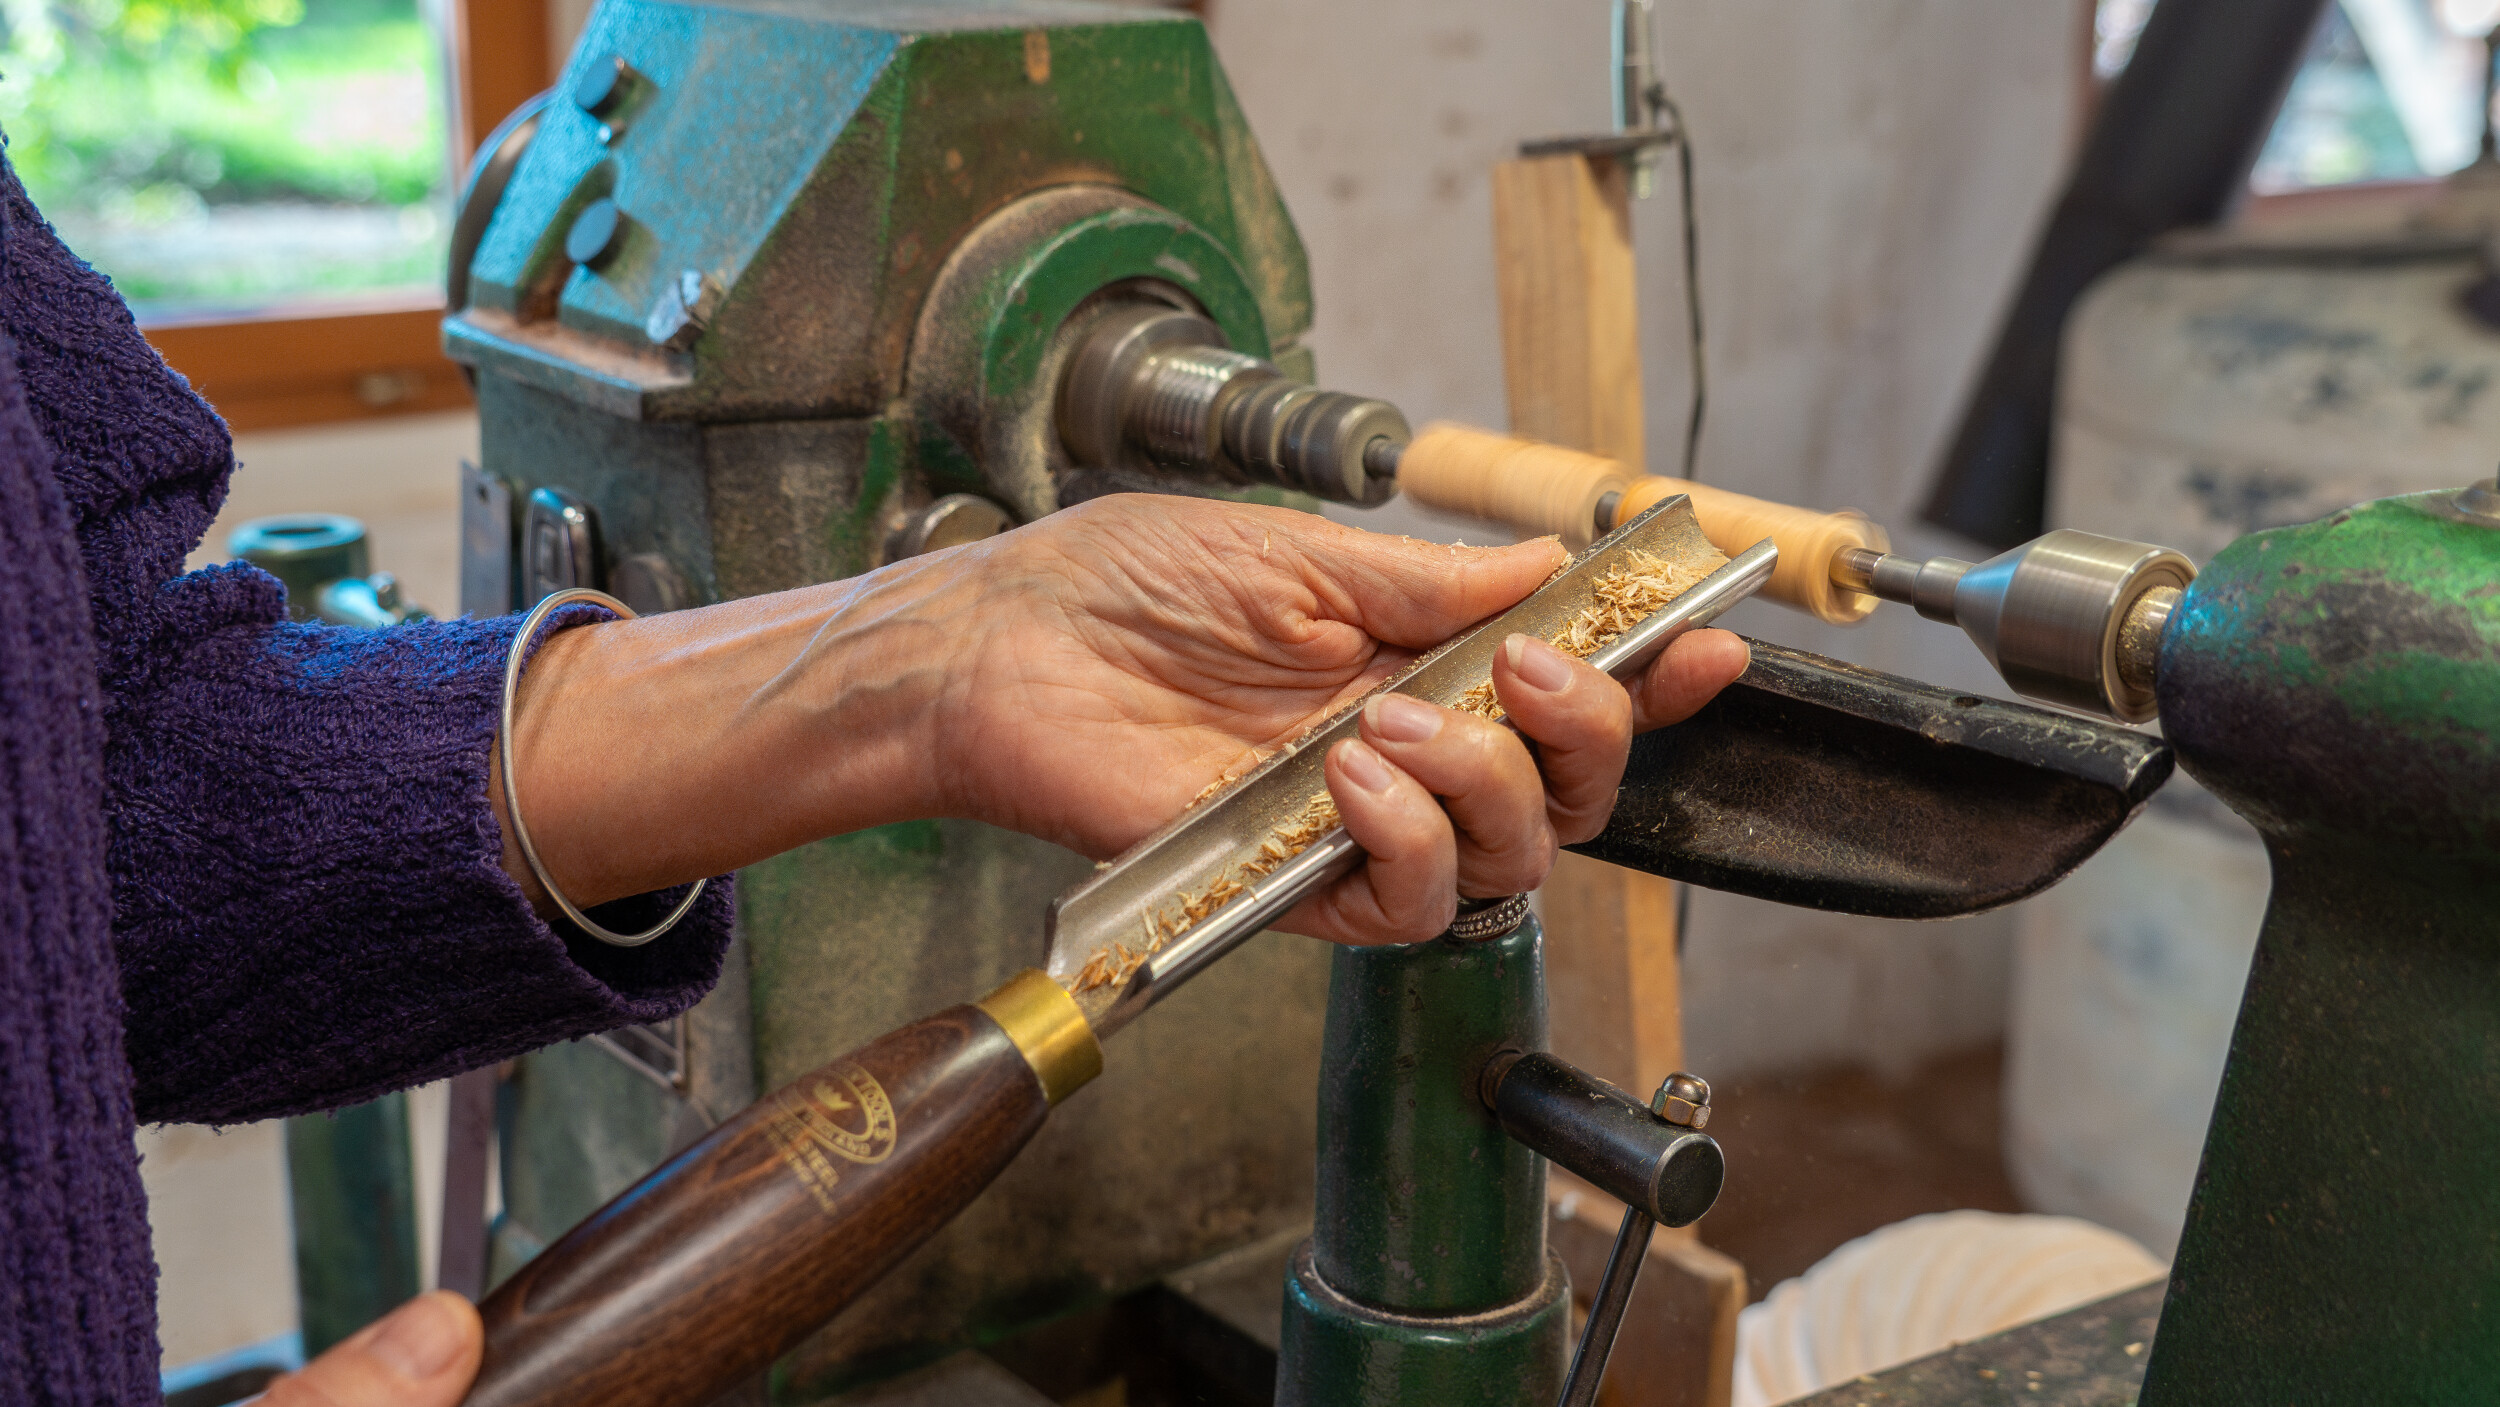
(1683, 1100)
(604, 84)
(595, 234)
(1152, 388)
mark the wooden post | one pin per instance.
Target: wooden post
(1572, 369)
(1571, 349)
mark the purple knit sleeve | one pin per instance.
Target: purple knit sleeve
(309, 902)
(311, 905)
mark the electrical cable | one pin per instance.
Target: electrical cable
(1692, 280)
(1700, 397)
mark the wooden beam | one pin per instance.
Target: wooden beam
(502, 52)
(1571, 349)
(1612, 979)
(1572, 368)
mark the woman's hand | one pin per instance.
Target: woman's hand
(1140, 648)
(1082, 679)
(422, 1354)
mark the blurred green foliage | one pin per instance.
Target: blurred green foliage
(132, 109)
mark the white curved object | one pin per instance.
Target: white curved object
(1919, 1287)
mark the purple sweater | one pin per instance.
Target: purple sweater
(247, 867)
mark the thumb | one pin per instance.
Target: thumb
(1417, 594)
(422, 1354)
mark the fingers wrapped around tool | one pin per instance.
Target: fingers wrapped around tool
(1487, 783)
(1406, 890)
(1686, 676)
(1445, 805)
(1581, 722)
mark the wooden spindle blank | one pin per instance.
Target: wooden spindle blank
(1541, 488)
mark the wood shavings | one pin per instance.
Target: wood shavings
(1112, 966)
(1626, 595)
(1242, 767)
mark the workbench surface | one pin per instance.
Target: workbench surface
(2088, 1357)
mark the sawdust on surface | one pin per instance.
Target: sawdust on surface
(1626, 595)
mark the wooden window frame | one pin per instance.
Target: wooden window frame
(362, 361)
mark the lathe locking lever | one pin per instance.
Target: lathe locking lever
(1657, 1159)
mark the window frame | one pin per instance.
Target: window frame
(2356, 202)
(331, 362)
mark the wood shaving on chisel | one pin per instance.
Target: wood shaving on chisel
(1114, 965)
(1626, 595)
(1241, 768)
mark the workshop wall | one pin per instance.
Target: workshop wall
(1869, 177)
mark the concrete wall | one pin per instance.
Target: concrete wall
(1869, 175)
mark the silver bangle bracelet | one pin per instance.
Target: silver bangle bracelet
(511, 788)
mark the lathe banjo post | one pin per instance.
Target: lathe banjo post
(1427, 1277)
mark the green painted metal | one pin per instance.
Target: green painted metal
(985, 363)
(893, 206)
(1080, 259)
(1339, 1352)
(1197, 1137)
(2339, 685)
(305, 552)
(1427, 1277)
(560, 1181)
(354, 1208)
(818, 164)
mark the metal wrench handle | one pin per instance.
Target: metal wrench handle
(1682, 1100)
(1614, 1296)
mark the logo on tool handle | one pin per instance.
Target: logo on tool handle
(844, 1113)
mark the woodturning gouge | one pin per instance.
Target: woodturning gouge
(726, 1255)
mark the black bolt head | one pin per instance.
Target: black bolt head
(602, 87)
(596, 234)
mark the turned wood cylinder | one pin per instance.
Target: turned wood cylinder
(1543, 488)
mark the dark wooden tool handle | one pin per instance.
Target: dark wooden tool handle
(732, 1251)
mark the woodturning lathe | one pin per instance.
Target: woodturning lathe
(2071, 618)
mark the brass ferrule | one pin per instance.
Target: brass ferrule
(1044, 1022)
